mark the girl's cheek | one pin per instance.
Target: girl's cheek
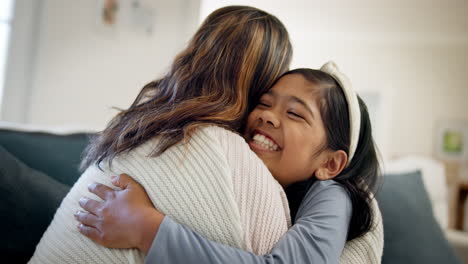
(251, 118)
(254, 114)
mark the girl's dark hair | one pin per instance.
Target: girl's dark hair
(361, 177)
(233, 58)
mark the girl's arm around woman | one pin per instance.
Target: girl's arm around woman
(318, 235)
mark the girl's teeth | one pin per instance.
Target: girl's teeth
(265, 142)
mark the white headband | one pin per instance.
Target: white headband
(353, 105)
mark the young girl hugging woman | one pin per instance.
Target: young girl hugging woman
(178, 140)
(313, 133)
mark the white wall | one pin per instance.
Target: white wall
(21, 57)
(6, 14)
(83, 69)
(414, 53)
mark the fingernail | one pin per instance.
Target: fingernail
(76, 213)
(82, 200)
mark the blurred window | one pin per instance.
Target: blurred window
(6, 15)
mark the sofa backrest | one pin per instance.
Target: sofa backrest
(433, 175)
(57, 155)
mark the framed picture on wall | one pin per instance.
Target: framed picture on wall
(108, 16)
(452, 140)
(126, 16)
(108, 12)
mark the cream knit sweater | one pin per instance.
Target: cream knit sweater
(368, 248)
(213, 184)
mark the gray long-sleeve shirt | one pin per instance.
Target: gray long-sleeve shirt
(318, 235)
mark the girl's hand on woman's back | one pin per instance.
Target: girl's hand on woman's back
(125, 219)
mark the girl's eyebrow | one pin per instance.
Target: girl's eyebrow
(301, 102)
(292, 98)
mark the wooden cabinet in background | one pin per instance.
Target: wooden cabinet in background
(462, 194)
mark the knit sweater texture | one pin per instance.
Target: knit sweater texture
(367, 249)
(213, 183)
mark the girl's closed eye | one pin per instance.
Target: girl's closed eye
(295, 114)
(264, 104)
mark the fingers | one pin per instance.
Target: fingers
(123, 181)
(101, 190)
(86, 218)
(90, 232)
(90, 205)
(115, 181)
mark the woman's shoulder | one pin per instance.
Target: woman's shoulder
(237, 152)
(227, 138)
(219, 131)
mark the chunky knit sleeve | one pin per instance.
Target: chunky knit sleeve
(261, 200)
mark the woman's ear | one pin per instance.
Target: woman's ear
(333, 165)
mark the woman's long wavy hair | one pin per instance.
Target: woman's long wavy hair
(233, 58)
(362, 177)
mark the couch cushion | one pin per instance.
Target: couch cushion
(55, 155)
(29, 199)
(433, 176)
(411, 233)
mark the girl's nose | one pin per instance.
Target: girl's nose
(269, 117)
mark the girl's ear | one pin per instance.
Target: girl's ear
(333, 165)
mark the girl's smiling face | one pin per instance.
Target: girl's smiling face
(286, 130)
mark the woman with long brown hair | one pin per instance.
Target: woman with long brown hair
(179, 140)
